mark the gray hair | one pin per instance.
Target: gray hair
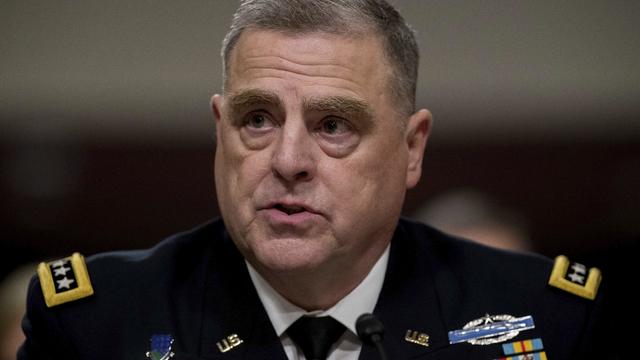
(342, 17)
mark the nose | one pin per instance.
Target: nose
(293, 159)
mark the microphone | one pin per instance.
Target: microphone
(370, 331)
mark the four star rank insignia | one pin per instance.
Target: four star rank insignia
(575, 278)
(64, 280)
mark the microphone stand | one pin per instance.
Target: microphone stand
(370, 331)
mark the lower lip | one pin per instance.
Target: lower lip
(279, 217)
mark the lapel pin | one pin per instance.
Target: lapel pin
(160, 347)
(229, 343)
(416, 337)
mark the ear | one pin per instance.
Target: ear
(417, 133)
(216, 108)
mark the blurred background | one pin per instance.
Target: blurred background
(106, 138)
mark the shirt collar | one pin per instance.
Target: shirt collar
(362, 299)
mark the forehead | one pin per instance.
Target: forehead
(311, 62)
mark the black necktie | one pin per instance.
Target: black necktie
(315, 335)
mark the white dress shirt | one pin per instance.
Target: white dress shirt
(362, 299)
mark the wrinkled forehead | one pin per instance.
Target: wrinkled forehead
(313, 53)
(302, 68)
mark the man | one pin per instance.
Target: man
(317, 142)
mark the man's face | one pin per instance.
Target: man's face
(312, 162)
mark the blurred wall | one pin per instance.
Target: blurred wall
(106, 135)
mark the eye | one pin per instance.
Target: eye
(335, 126)
(257, 129)
(259, 121)
(337, 136)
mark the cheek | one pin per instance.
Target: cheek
(239, 171)
(371, 180)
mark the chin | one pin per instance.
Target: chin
(284, 255)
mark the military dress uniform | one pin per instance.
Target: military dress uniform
(191, 297)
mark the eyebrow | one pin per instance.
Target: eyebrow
(346, 106)
(252, 98)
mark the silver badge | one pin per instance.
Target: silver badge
(491, 329)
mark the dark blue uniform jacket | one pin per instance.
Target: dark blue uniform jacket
(195, 287)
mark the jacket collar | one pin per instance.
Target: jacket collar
(236, 326)
(409, 306)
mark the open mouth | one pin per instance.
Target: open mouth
(289, 209)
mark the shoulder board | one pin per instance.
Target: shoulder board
(575, 278)
(64, 280)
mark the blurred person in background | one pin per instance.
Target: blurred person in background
(13, 290)
(475, 215)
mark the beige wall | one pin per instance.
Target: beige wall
(122, 69)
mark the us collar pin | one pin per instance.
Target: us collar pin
(160, 347)
(230, 342)
(491, 329)
(416, 337)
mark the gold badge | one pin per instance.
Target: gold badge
(64, 280)
(229, 343)
(575, 278)
(415, 337)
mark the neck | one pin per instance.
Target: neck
(322, 287)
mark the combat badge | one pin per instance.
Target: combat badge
(491, 329)
(64, 280)
(574, 278)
